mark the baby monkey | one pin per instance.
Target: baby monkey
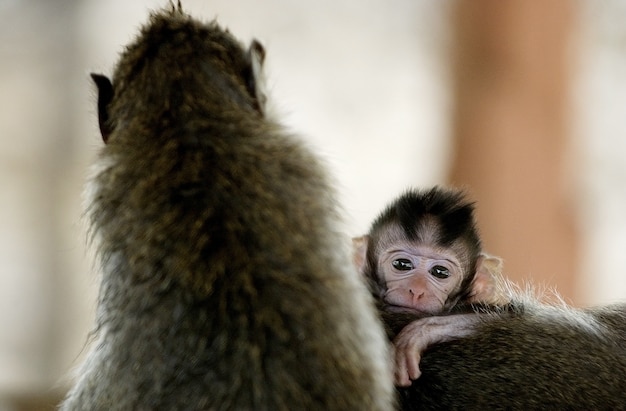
(434, 285)
(423, 259)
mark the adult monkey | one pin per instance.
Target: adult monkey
(517, 354)
(226, 285)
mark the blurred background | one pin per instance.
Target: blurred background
(522, 103)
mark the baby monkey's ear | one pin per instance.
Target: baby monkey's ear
(487, 287)
(105, 96)
(359, 252)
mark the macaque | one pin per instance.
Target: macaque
(476, 348)
(226, 284)
(422, 258)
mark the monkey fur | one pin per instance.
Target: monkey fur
(226, 284)
(543, 357)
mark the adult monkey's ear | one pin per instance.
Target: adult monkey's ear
(256, 77)
(359, 252)
(488, 284)
(105, 96)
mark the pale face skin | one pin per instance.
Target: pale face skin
(419, 278)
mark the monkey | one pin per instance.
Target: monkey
(225, 281)
(514, 353)
(423, 257)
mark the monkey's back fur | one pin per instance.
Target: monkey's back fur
(225, 282)
(542, 358)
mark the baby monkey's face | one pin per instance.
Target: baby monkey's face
(419, 278)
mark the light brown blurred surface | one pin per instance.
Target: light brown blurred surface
(512, 81)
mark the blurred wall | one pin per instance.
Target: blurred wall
(46, 290)
(366, 82)
(512, 82)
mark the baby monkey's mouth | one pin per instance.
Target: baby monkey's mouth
(406, 310)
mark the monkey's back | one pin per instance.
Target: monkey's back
(225, 282)
(548, 358)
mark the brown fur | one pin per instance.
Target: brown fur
(225, 285)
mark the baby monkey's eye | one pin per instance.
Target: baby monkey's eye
(402, 264)
(439, 272)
